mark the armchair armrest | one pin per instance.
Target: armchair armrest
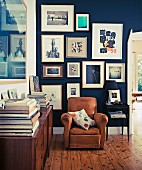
(66, 120)
(101, 121)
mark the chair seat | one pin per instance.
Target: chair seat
(81, 131)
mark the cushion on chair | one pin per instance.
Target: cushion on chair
(81, 131)
(82, 119)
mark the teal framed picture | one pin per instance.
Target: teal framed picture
(82, 22)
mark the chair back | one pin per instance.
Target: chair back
(89, 104)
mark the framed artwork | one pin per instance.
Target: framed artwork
(115, 71)
(52, 71)
(107, 41)
(52, 48)
(18, 47)
(54, 93)
(13, 93)
(3, 48)
(82, 22)
(114, 95)
(92, 74)
(57, 18)
(76, 47)
(4, 95)
(73, 90)
(13, 17)
(73, 69)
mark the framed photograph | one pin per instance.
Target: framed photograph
(13, 93)
(18, 47)
(82, 22)
(52, 48)
(114, 95)
(115, 71)
(76, 47)
(3, 48)
(13, 17)
(92, 74)
(57, 18)
(73, 69)
(73, 90)
(107, 41)
(4, 95)
(52, 71)
(18, 71)
(3, 70)
(54, 93)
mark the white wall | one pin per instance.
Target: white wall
(23, 87)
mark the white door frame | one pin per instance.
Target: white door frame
(132, 37)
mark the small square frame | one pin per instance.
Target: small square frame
(13, 93)
(115, 71)
(73, 69)
(52, 71)
(73, 90)
(76, 47)
(82, 22)
(114, 95)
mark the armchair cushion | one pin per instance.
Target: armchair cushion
(82, 119)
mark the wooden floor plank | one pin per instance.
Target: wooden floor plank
(75, 160)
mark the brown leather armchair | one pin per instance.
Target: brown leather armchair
(77, 137)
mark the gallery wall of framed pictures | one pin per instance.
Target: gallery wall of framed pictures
(78, 52)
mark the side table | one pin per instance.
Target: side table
(117, 122)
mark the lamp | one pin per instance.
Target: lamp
(109, 85)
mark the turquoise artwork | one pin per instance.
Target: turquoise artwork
(82, 22)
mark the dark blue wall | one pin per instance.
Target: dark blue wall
(127, 12)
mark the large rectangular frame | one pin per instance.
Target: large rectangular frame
(76, 47)
(54, 93)
(92, 74)
(52, 48)
(57, 18)
(107, 41)
(115, 71)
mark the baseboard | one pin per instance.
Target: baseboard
(58, 130)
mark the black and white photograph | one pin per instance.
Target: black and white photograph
(73, 90)
(57, 18)
(73, 69)
(52, 48)
(52, 71)
(115, 71)
(114, 95)
(93, 74)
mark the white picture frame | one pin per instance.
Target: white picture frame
(114, 95)
(92, 74)
(52, 48)
(13, 93)
(107, 41)
(73, 69)
(73, 90)
(54, 94)
(57, 18)
(82, 22)
(115, 71)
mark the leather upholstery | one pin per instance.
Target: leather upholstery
(77, 137)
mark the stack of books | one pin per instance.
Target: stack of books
(117, 114)
(19, 118)
(41, 98)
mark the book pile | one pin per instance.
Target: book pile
(19, 118)
(117, 114)
(41, 98)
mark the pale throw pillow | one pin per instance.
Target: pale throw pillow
(82, 119)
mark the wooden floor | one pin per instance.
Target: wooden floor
(118, 153)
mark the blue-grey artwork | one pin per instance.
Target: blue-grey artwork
(93, 74)
(52, 71)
